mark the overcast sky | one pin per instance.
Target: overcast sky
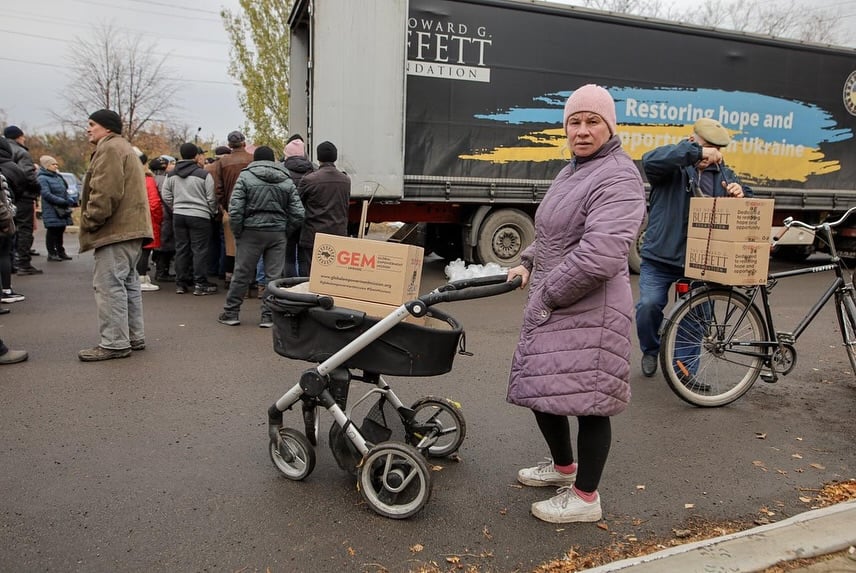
(38, 35)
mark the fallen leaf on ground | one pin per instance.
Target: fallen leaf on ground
(416, 548)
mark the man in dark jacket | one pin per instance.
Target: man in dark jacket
(25, 187)
(325, 195)
(264, 207)
(693, 167)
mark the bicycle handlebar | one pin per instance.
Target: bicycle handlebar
(791, 222)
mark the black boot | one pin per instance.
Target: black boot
(63, 255)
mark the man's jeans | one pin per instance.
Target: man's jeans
(117, 294)
(655, 282)
(192, 235)
(250, 246)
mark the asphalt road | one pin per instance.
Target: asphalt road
(160, 462)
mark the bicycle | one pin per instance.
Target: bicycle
(718, 339)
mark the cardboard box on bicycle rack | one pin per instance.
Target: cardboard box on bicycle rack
(739, 263)
(731, 219)
(372, 309)
(365, 269)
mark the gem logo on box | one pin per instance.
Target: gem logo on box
(356, 259)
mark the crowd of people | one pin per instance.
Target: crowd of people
(239, 217)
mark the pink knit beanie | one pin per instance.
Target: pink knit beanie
(295, 147)
(594, 99)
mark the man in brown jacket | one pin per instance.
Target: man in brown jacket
(225, 174)
(114, 221)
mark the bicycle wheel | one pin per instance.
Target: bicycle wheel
(438, 428)
(710, 347)
(846, 305)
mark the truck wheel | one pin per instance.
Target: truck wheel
(503, 236)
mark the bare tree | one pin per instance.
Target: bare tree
(121, 73)
(784, 18)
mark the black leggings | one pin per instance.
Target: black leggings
(593, 442)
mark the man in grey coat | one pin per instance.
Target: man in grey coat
(189, 193)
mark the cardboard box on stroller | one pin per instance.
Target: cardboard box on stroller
(740, 220)
(373, 309)
(365, 269)
(727, 262)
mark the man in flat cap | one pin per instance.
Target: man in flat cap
(693, 167)
(226, 172)
(114, 222)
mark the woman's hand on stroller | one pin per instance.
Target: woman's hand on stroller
(519, 271)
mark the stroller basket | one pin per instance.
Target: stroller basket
(314, 334)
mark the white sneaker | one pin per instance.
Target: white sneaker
(146, 284)
(567, 507)
(545, 474)
(9, 296)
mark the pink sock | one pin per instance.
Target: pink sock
(571, 468)
(586, 496)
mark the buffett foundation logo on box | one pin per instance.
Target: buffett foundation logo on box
(326, 255)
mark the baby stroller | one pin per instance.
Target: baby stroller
(392, 475)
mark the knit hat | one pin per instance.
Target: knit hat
(712, 132)
(263, 153)
(12, 132)
(223, 150)
(108, 119)
(594, 99)
(295, 148)
(188, 150)
(235, 138)
(46, 161)
(293, 137)
(327, 152)
(158, 164)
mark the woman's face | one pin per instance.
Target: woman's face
(587, 132)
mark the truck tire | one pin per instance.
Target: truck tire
(503, 236)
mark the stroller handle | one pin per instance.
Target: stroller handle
(277, 288)
(467, 289)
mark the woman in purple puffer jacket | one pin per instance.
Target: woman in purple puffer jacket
(572, 358)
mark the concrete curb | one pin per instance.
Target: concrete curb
(810, 534)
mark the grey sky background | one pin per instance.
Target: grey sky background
(38, 35)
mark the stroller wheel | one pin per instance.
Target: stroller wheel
(438, 428)
(394, 479)
(292, 454)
